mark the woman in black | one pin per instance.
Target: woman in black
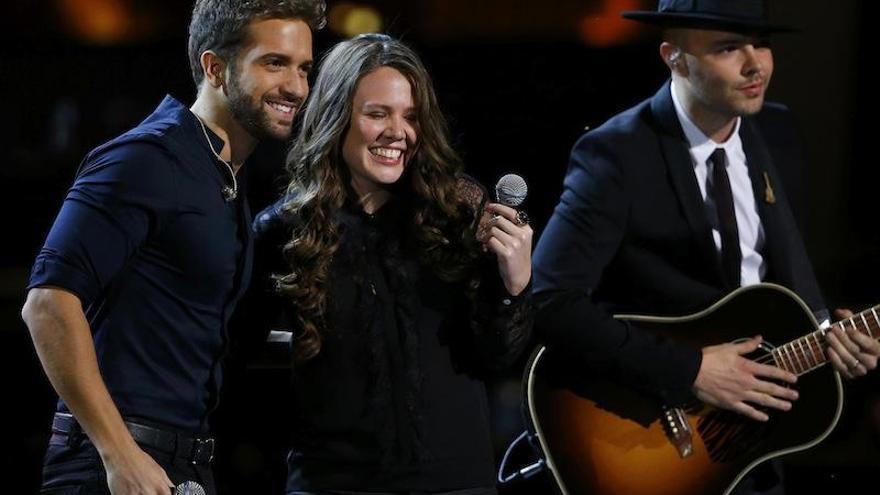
(406, 286)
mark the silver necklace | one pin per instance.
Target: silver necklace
(229, 193)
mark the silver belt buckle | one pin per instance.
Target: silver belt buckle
(198, 446)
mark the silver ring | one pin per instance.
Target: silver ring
(522, 218)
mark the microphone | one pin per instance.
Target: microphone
(511, 190)
(189, 488)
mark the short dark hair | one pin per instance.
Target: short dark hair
(221, 25)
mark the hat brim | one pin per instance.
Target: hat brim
(704, 21)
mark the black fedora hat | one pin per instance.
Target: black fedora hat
(724, 15)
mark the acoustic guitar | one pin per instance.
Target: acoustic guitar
(601, 437)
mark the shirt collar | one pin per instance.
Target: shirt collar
(701, 145)
(172, 109)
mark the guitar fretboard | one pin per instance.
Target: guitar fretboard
(807, 353)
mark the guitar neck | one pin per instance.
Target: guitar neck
(807, 353)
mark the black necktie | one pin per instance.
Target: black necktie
(719, 188)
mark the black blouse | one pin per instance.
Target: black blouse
(395, 399)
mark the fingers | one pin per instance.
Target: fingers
(764, 394)
(767, 393)
(843, 313)
(511, 242)
(768, 371)
(775, 390)
(848, 371)
(523, 232)
(767, 401)
(866, 357)
(505, 211)
(748, 346)
(508, 226)
(869, 349)
(497, 246)
(503, 245)
(136, 472)
(163, 479)
(749, 411)
(513, 237)
(514, 222)
(846, 339)
(728, 380)
(852, 353)
(843, 352)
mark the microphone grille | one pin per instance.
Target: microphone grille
(511, 190)
(189, 488)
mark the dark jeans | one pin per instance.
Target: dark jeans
(76, 469)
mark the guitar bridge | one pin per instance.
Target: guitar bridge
(678, 429)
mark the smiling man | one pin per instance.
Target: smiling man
(129, 299)
(672, 204)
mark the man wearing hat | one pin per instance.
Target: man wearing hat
(675, 202)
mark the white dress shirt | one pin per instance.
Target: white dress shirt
(751, 233)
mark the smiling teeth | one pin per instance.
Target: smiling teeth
(387, 152)
(280, 107)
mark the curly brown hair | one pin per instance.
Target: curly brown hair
(441, 221)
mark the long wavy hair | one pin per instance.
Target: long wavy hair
(440, 221)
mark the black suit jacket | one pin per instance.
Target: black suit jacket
(630, 235)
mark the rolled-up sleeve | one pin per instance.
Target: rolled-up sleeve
(122, 195)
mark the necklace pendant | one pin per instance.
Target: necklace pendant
(229, 194)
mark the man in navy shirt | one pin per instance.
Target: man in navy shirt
(129, 298)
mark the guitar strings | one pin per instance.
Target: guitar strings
(797, 354)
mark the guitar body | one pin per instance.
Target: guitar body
(604, 438)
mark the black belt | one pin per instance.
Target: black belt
(193, 450)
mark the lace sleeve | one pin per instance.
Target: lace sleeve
(501, 324)
(475, 196)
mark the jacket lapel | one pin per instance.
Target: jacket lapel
(759, 163)
(678, 161)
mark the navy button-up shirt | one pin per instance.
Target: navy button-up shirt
(159, 259)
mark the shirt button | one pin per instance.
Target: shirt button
(506, 301)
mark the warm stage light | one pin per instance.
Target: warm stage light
(604, 27)
(350, 19)
(108, 21)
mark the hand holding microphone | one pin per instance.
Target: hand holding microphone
(509, 235)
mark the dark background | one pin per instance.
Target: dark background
(518, 80)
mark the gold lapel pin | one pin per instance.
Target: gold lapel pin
(769, 196)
